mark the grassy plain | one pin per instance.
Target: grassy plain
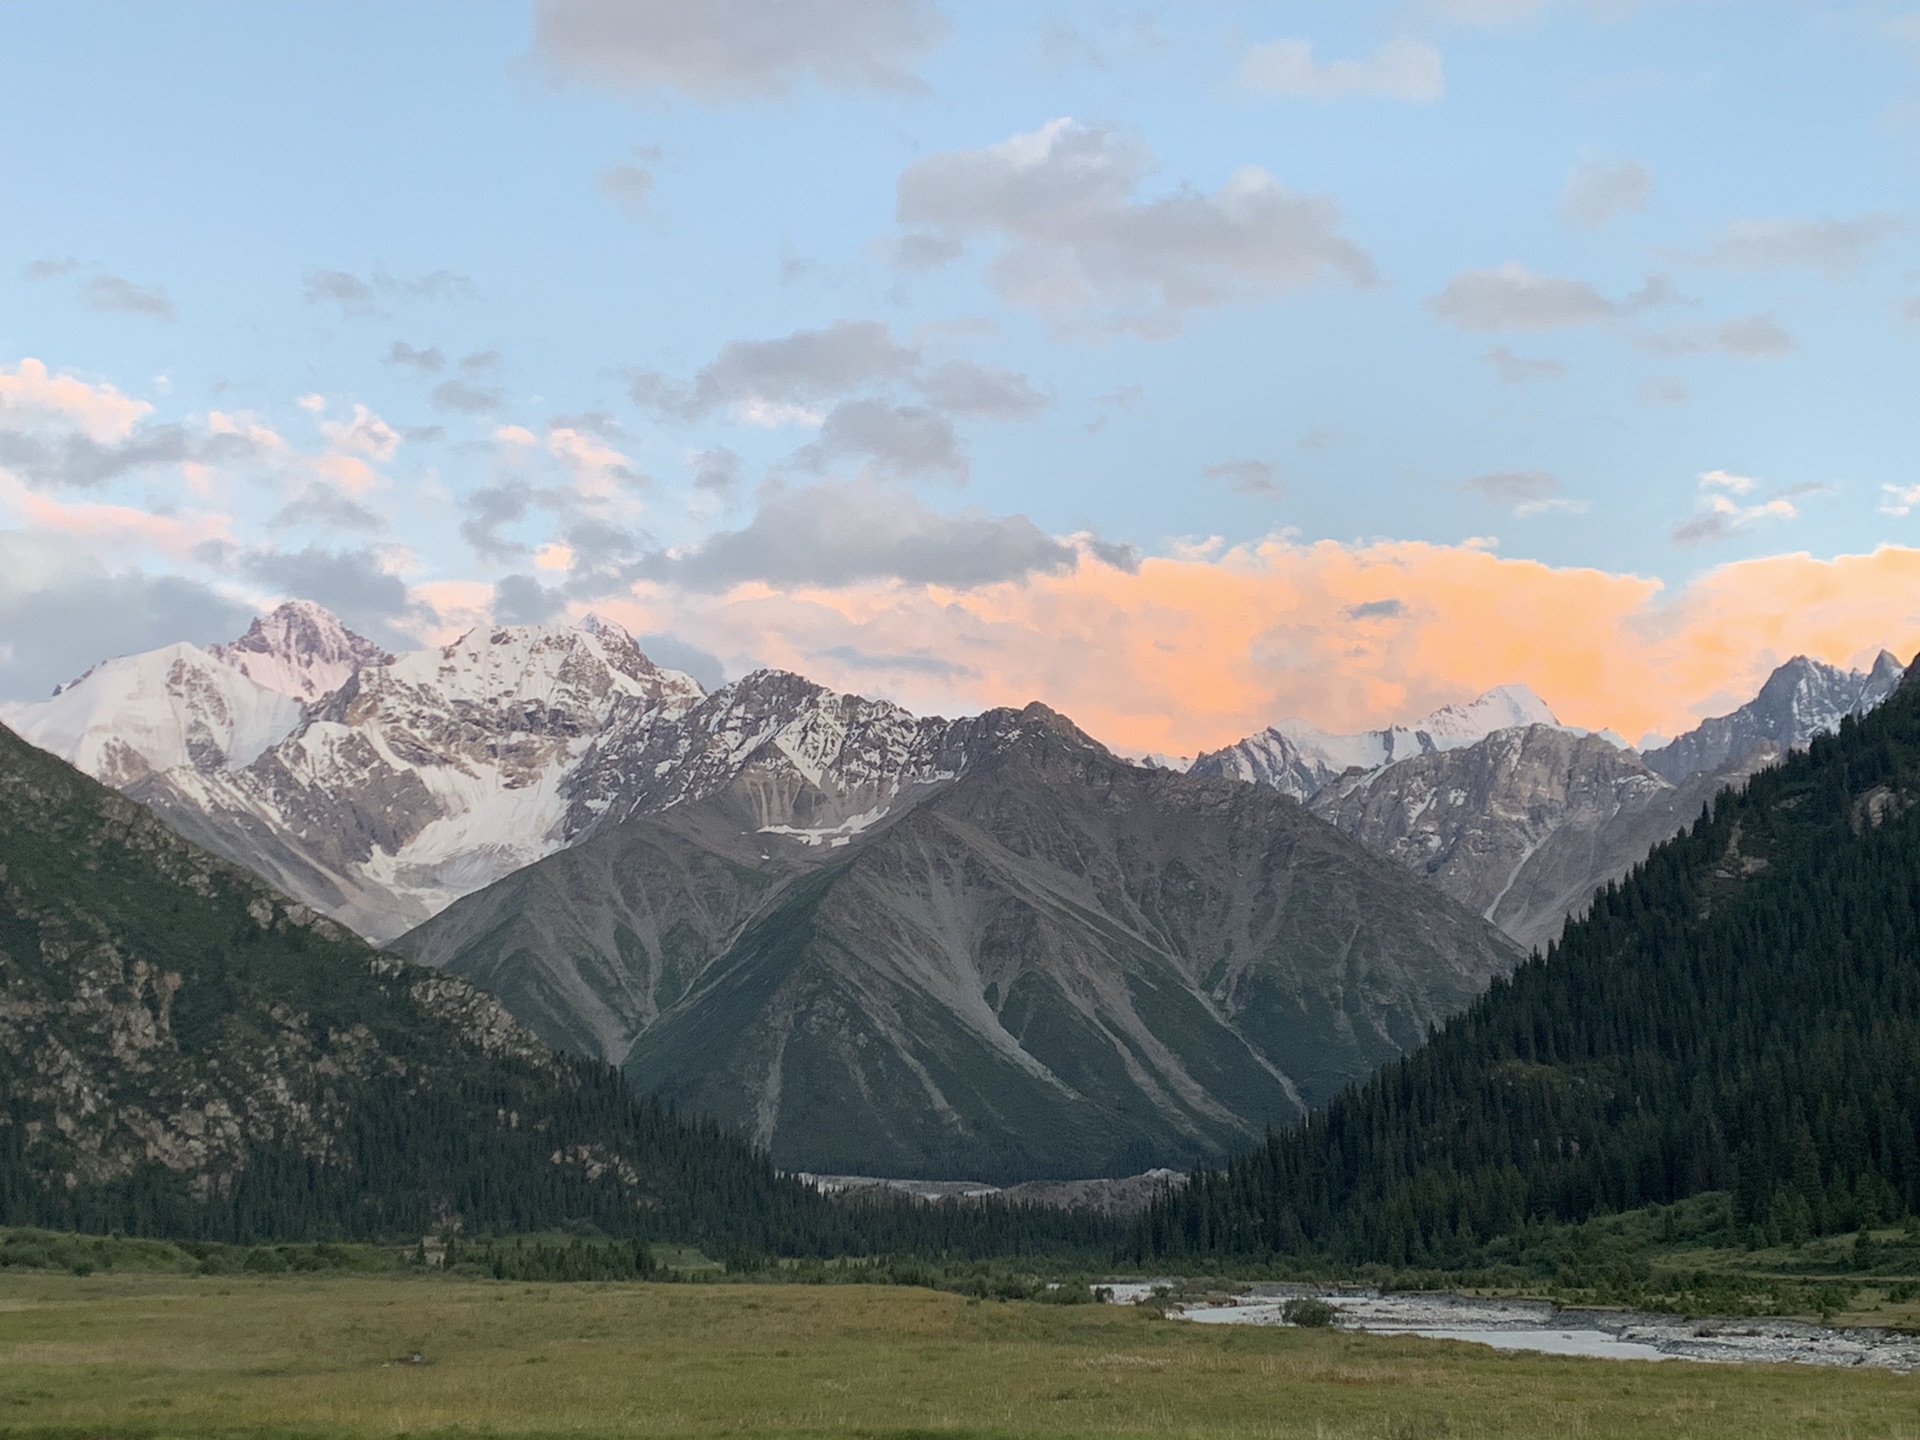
(122, 1354)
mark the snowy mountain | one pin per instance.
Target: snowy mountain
(428, 776)
(301, 650)
(1800, 700)
(173, 708)
(1297, 758)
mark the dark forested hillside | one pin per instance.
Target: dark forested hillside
(1742, 1013)
(185, 1052)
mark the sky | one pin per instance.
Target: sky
(1186, 368)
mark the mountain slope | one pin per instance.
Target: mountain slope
(1523, 826)
(184, 1051)
(1054, 964)
(1742, 1013)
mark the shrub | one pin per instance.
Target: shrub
(1307, 1311)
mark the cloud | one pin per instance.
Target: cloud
(841, 534)
(1838, 247)
(466, 397)
(1524, 492)
(1663, 390)
(1402, 69)
(794, 370)
(61, 609)
(356, 585)
(1721, 516)
(1503, 14)
(428, 362)
(1249, 477)
(370, 295)
(1076, 243)
(1912, 311)
(897, 442)
(100, 412)
(523, 600)
(1512, 297)
(1193, 652)
(717, 470)
(1520, 369)
(1899, 499)
(325, 507)
(961, 387)
(366, 434)
(51, 267)
(1751, 337)
(722, 51)
(494, 507)
(112, 295)
(1601, 191)
(1388, 609)
(629, 187)
(76, 461)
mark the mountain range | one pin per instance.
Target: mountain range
(887, 943)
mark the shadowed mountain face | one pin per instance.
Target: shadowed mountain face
(185, 1051)
(1055, 964)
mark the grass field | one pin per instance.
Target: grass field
(159, 1355)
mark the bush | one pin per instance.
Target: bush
(1307, 1311)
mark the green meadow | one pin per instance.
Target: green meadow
(124, 1353)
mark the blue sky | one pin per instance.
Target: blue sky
(1051, 293)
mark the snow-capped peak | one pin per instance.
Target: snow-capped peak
(1505, 707)
(176, 706)
(301, 649)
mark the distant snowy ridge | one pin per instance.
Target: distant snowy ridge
(1297, 758)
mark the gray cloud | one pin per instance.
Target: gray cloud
(369, 295)
(835, 534)
(803, 368)
(1524, 492)
(428, 362)
(1601, 191)
(325, 506)
(112, 295)
(1076, 243)
(732, 50)
(493, 507)
(1835, 246)
(913, 662)
(51, 267)
(961, 387)
(1512, 297)
(1912, 311)
(1752, 337)
(351, 583)
(478, 361)
(1249, 477)
(590, 422)
(61, 609)
(466, 397)
(1663, 390)
(1388, 609)
(629, 187)
(523, 600)
(1521, 369)
(898, 442)
(78, 462)
(1402, 69)
(717, 470)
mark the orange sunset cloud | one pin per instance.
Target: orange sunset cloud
(1188, 653)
